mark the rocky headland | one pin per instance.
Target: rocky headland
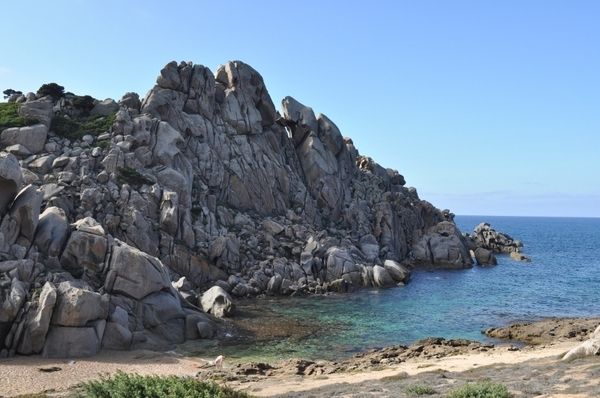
(136, 224)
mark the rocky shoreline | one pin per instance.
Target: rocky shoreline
(436, 362)
(135, 224)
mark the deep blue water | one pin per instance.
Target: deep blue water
(563, 279)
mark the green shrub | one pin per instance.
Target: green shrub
(130, 176)
(482, 389)
(9, 92)
(65, 127)
(84, 103)
(9, 116)
(98, 124)
(419, 389)
(124, 385)
(52, 89)
(74, 130)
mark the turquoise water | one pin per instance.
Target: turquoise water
(563, 279)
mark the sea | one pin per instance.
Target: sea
(562, 280)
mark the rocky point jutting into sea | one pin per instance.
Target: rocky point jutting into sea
(135, 224)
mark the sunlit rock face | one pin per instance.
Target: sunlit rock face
(117, 216)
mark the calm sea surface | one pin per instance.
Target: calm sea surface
(563, 279)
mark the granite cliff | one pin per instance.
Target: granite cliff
(116, 217)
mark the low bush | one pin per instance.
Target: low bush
(130, 176)
(419, 389)
(482, 389)
(9, 116)
(75, 129)
(124, 385)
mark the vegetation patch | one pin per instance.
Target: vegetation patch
(482, 389)
(75, 130)
(9, 116)
(124, 385)
(130, 176)
(419, 389)
(54, 90)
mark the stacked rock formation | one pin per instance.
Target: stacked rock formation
(108, 239)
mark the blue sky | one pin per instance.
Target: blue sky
(486, 107)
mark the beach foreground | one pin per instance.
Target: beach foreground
(532, 370)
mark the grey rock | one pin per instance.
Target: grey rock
(40, 110)
(442, 247)
(217, 302)
(23, 216)
(485, 257)
(31, 137)
(13, 299)
(105, 108)
(78, 306)
(134, 273)
(38, 322)
(397, 271)
(381, 277)
(52, 231)
(71, 342)
(11, 179)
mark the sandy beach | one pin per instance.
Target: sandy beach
(533, 370)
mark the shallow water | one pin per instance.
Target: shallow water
(562, 280)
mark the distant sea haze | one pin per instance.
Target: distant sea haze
(562, 280)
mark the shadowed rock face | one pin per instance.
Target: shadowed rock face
(202, 179)
(10, 180)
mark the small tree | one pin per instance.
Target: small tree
(10, 92)
(84, 103)
(52, 89)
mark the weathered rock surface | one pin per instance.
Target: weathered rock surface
(488, 238)
(590, 347)
(442, 246)
(11, 179)
(217, 301)
(485, 257)
(202, 179)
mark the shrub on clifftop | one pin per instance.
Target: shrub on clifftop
(54, 90)
(9, 116)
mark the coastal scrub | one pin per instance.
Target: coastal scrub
(481, 389)
(123, 385)
(9, 116)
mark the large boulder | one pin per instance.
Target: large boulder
(590, 347)
(77, 305)
(397, 271)
(31, 137)
(488, 238)
(217, 301)
(40, 110)
(11, 300)
(443, 246)
(38, 322)
(23, 217)
(134, 273)
(52, 231)
(485, 257)
(86, 248)
(381, 277)
(11, 179)
(104, 108)
(73, 342)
